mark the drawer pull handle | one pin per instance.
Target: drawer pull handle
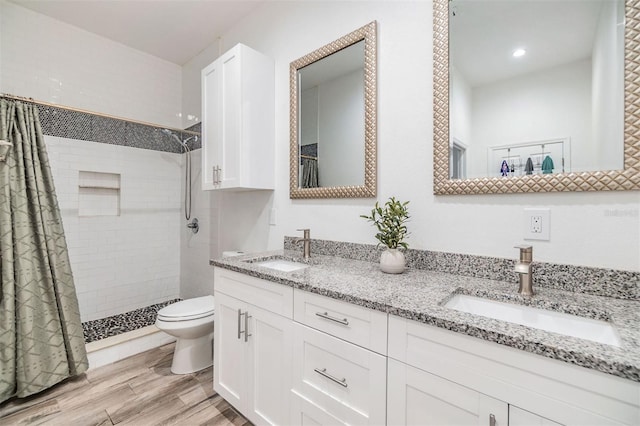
(239, 327)
(326, 315)
(492, 420)
(324, 373)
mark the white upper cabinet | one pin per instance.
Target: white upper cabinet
(238, 124)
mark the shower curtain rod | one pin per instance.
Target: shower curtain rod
(97, 114)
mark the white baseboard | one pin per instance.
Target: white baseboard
(112, 349)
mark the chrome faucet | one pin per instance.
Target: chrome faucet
(523, 268)
(306, 240)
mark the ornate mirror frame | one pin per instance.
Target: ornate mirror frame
(368, 34)
(610, 180)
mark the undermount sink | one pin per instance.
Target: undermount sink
(282, 265)
(556, 322)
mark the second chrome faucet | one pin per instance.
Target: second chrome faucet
(523, 268)
(306, 240)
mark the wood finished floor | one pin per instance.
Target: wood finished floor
(139, 390)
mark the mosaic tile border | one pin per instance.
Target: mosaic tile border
(117, 324)
(581, 279)
(85, 126)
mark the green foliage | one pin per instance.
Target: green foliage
(390, 221)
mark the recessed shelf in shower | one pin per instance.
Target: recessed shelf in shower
(98, 194)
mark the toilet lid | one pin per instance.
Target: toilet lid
(189, 309)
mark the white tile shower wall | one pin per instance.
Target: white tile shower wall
(59, 63)
(196, 275)
(124, 262)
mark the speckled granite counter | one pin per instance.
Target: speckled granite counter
(419, 295)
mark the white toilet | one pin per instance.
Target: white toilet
(191, 322)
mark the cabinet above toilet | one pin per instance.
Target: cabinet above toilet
(238, 121)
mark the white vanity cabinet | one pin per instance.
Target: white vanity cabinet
(339, 362)
(252, 346)
(437, 372)
(238, 121)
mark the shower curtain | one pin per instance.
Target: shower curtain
(41, 339)
(309, 173)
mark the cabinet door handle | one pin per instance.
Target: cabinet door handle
(239, 327)
(324, 373)
(492, 420)
(326, 315)
(246, 326)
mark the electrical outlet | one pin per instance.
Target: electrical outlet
(536, 224)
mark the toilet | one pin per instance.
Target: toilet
(191, 322)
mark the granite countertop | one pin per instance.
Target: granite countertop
(420, 294)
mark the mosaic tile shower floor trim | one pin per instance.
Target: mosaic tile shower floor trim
(117, 324)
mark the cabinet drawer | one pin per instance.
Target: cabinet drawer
(306, 413)
(356, 324)
(345, 380)
(273, 297)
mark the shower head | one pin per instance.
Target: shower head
(174, 136)
(194, 137)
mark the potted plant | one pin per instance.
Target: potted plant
(390, 221)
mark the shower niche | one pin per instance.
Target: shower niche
(98, 194)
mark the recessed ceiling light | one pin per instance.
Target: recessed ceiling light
(518, 53)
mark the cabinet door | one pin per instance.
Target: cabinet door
(229, 360)
(415, 397)
(270, 364)
(211, 124)
(230, 150)
(520, 417)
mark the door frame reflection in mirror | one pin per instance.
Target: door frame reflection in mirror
(367, 34)
(608, 180)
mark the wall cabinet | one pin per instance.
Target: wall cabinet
(238, 121)
(252, 348)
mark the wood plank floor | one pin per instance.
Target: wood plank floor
(139, 390)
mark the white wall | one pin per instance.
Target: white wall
(124, 262)
(196, 275)
(51, 61)
(608, 86)
(555, 103)
(341, 131)
(460, 115)
(594, 229)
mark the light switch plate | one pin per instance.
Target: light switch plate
(536, 224)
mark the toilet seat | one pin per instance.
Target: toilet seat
(186, 310)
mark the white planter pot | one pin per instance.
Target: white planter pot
(392, 261)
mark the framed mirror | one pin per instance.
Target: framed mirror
(333, 119)
(534, 96)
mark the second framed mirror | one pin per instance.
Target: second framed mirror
(333, 119)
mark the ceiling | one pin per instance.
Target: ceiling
(174, 30)
(483, 35)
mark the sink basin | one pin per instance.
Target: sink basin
(556, 322)
(282, 265)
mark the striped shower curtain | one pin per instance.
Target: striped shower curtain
(41, 339)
